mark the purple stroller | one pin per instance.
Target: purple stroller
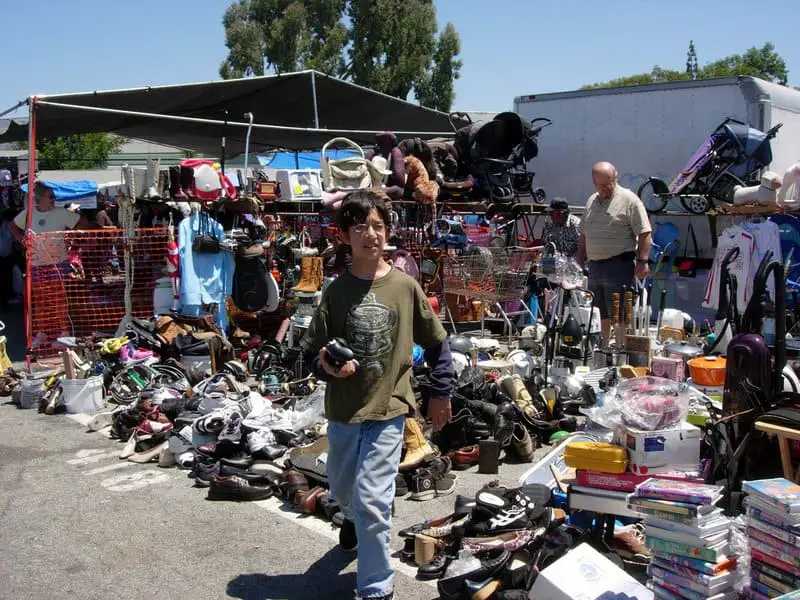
(733, 154)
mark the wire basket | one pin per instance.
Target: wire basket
(491, 276)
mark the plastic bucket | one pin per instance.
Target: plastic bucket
(83, 395)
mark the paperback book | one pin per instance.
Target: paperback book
(785, 577)
(679, 491)
(723, 565)
(772, 582)
(768, 511)
(707, 528)
(720, 584)
(711, 541)
(778, 492)
(770, 557)
(676, 507)
(779, 545)
(767, 518)
(710, 554)
(792, 558)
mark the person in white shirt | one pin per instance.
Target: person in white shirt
(47, 255)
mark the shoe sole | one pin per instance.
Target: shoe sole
(227, 497)
(348, 550)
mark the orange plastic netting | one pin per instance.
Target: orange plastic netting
(78, 282)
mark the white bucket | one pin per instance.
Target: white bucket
(162, 296)
(83, 395)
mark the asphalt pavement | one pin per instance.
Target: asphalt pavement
(78, 522)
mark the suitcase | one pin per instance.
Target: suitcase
(596, 456)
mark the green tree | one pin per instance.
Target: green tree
(762, 62)
(390, 46)
(80, 151)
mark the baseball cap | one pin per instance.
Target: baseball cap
(558, 204)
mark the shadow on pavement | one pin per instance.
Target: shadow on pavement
(324, 580)
(14, 332)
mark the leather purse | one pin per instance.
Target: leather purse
(205, 241)
(687, 266)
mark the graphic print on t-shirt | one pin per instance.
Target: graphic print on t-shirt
(368, 328)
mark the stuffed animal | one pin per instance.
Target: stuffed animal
(766, 193)
(790, 190)
(418, 184)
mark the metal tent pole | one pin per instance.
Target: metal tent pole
(314, 99)
(28, 240)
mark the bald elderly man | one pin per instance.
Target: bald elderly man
(614, 244)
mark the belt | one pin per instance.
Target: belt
(625, 256)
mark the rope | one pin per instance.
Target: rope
(127, 209)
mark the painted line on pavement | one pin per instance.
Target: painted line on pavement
(324, 529)
(273, 505)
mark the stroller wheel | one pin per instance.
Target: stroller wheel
(654, 195)
(539, 195)
(698, 205)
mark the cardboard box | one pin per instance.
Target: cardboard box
(662, 450)
(585, 574)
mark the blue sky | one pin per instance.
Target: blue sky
(509, 47)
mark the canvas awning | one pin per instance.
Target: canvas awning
(295, 111)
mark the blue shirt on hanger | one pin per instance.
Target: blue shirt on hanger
(205, 278)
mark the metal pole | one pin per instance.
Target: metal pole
(249, 117)
(314, 99)
(222, 157)
(13, 108)
(28, 241)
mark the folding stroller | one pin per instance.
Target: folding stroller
(734, 154)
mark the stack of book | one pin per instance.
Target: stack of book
(773, 532)
(688, 537)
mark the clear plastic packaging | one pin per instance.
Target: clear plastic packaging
(646, 403)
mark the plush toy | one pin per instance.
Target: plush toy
(766, 193)
(790, 190)
(418, 184)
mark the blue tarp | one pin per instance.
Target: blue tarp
(300, 160)
(69, 190)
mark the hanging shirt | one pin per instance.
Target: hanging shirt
(733, 237)
(767, 236)
(205, 278)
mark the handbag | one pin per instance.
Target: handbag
(205, 241)
(345, 174)
(306, 247)
(687, 267)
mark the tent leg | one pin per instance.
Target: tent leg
(314, 99)
(28, 241)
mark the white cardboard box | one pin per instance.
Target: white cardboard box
(661, 450)
(585, 574)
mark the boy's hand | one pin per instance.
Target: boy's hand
(346, 370)
(440, 412)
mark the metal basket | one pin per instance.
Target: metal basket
(491, 277)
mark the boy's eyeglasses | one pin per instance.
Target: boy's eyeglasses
(363, 228)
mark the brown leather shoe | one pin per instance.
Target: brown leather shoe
(463, 458)
(307, 501)
(291, 482)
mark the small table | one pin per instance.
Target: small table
(784, 434)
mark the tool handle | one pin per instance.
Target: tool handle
(629, 309)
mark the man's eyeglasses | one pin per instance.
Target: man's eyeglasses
(363, 228)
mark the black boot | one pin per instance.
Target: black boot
(504, 423)
(175, 189)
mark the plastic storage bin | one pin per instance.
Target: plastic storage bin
(596, 456)
(83, 395)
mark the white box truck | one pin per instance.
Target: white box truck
(651, 130)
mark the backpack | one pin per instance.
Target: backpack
(250, 290)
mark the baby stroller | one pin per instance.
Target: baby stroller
(733, 154)
(488, 159)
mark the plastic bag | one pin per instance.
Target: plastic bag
(646, 403)
(652, 403)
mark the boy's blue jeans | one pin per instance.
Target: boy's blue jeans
(362, 464)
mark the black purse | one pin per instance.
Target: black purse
(205, 241)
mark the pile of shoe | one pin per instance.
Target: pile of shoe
(492, 545)
(500, 409)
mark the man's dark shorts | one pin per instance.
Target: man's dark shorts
(609, 277)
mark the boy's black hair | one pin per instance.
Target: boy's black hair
(357, 206)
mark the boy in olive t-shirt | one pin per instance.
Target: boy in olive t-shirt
(380, 313)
